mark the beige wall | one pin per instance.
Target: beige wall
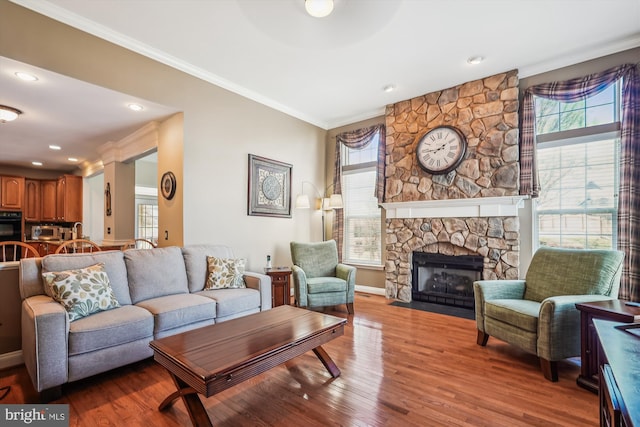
(220, 130)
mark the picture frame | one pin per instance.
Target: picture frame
(269, 187)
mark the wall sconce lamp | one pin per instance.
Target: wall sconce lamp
(334, 201)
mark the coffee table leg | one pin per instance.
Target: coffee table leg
(327, 362)
(195, 408)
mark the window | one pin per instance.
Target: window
(578, 147)
(147, 222)
(362, 224)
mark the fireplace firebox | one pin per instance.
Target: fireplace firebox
(445, 279)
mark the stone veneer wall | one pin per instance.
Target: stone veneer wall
(486, 111)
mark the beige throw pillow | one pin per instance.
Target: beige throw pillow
(81, 291)
(225, 273)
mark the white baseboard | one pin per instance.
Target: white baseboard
(371, 290)
(7, 360)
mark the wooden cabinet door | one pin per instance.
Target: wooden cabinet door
(11, 192)
(69, 198)
(31, 210)
(48, 201)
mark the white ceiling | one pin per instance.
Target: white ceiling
(331, 71)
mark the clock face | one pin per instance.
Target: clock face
(441, 150)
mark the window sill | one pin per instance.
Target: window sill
(365, 266)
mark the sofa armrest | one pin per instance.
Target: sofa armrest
(45, 329)
(485, 290)
(262, 283)
(347, 273)
(559, 325)
(299, 286)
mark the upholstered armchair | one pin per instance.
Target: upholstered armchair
(318, 278)
(538, 314)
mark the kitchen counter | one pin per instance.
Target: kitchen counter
(46, 247)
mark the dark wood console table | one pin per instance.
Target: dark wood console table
(619, 397)
(614, 310)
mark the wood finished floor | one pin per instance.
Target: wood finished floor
(400, 367)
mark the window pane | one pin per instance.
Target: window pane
(362, 223)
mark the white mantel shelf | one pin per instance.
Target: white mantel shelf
(456, 208)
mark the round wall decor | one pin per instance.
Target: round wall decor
(168, 185)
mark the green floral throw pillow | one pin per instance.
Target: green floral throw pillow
(82, 291)
(225, 273)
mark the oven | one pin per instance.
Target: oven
(10, 226)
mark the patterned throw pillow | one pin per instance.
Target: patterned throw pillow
(225, 273)
(81, 291)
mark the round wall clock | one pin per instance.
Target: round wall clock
(441, 150)
(168, 185)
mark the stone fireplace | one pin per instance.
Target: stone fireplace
(470, 211)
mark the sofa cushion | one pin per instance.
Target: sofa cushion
(520, 313)
(113, 264)
(225, 273)
(81, 291)
(231, 301)
(316, 285)
(155, 272)
(109, 328)
(195, 261)
(173, 311)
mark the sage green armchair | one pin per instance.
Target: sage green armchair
(319, 280)
(538, 314)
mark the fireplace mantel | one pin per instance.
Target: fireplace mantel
(456, 208)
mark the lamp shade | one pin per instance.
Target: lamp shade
(335, 201)
(302, 202)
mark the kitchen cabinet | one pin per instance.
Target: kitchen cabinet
(11, 192)
(69, 198)
(48, 200)
(32, 206)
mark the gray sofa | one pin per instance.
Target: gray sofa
(160, 292)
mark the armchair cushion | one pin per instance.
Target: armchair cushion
(556, 271)
(522, 314)
(316, 259)
(317, 285)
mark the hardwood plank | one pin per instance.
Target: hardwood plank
(399, 367)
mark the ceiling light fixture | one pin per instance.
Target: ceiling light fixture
(26, 76)
(135, 107)
(55, 147)
(72, 159)
(8, 114)
(318, 8)
(389, 88)
(475, 60)
(36, 163)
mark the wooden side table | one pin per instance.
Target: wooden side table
(614, 310)
(280, 285)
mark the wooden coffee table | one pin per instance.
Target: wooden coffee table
(214, 358)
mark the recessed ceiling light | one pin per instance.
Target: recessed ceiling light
(26, 76)
(72, 159)
(475, 60)
(55, 147)
(36, 163)
(318, 8)
(135, 107)
(389, 88)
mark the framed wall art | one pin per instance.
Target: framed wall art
(269, 187)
